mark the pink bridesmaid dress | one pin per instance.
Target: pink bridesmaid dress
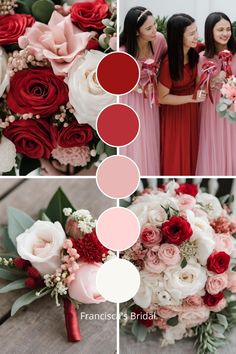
(145, 149)
(217, 144)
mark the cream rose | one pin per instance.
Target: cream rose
(141, 211)
(41, 244)
(83, 288)
(183, 282)
(194, 316)
(4, 72)
(169, 254)
(7, 154)
(85, 94)
(224, 242)
(210, 204)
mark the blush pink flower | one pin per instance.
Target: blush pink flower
(194, 300)
(224, 242)
(232, 282)
(60, 42)
(216, 283)
(169, 254)
(165, 312)
(186, 201)
(150, 236)
(74, 156)
(229, 91)
(152, 262)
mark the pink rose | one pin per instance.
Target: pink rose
(83, 288)
(169, 254)
(194, 300)
(220, 306)
(152, 262)
(150, 236)
(186, 201)
(60, 42)
(232, 282)
(194, 316)
(224, 242)
(165, 312)
(216, 283)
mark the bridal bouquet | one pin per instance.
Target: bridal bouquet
(227, 104)
(49, 94)
(59, 255)
(186, 255)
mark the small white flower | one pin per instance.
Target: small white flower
(67, 211)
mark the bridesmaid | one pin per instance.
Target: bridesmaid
(141, 40)
(217, 144)
(179, 111)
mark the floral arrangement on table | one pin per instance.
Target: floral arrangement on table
(186, 255)
(49, 94)
(57, 255)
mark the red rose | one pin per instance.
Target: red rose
(89, 15)
(75, 135)
(36, 91)
(33, 138)
(13, 26)
(89, 248)
(176, 230)
(218, 262)
(212, 300)
(143, 317)
(187, 188)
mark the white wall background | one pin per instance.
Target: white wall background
(199, 9)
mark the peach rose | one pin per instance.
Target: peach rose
(216, 283)
(150, 236)
(194, 316)
(83, 288)
(169, 254)
(60, 42)
(41, 244)
(194, 300)
(224, 242)
(165, 312)
(232, 282)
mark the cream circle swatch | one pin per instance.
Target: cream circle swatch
(118, 280)
(117, 176)
(118, 228)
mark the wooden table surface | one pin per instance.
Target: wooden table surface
(39, 328)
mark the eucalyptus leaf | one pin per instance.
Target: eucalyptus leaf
(42, 10)
(109, 150)
(139, 331)
(222, 320)
(18, 222)
(223, 107)
(55, 207)
(10, 273)
(100, 147)
(173, 321)
(18, 284)
(26, 299)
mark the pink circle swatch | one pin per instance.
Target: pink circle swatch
(117, 176)
(112, 73)
(118, 228)
(118, 124)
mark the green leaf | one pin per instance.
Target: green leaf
(223, 107)
(124, 203)
(100, 147)
(10, 173)
(183, 263)
(109, 150)
(18, 284)
(18, 222)
(42, 10)
(10, 274)
(222, 320)
(26, 299)
(234, 268)
(43, 216)
(55, 207)
(8, 246)
(173, 321)
(28, 165)
(139, 331)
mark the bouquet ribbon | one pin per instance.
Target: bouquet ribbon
(150, 67)
(225, 57)
(207, 69)
(71, 321)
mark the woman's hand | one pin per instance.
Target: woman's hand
(201, 96)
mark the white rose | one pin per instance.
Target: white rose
(85, 94)
(7, 154)
(148, 283)
(187, 281)
(41, 244)
(171, 334)
(4, 72)
(194, 316)
(156, 214)
(141, 211)
(210, 204)
(203, 235)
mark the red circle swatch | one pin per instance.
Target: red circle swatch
(118, 124)
(118, 73)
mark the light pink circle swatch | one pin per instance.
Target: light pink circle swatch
(118, 228)
(118, 176)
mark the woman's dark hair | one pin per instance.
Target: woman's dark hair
(132, 23)
(211, 21)
(176, 26)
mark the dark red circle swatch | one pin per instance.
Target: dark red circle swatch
(118, 73)
(118, 124)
